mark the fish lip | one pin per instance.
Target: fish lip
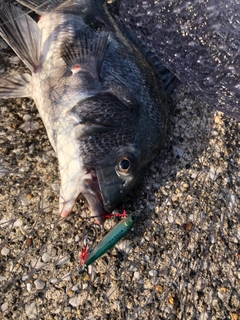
(87, 186)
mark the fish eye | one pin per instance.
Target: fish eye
(125, 164)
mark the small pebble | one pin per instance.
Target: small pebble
(232, 201)
(46, 257)
(4, 306)
(55, 187)
(76, 287)
(159, 288)
(188, 226)
(31, 148)
(27, 117)
(25, 277)
(66, 277)
(24, 200)
(31, 311)
(74, 301)
(18, 223)
(234, 316)
(29, 242)
(37, 264)
(54, 280)
(29, 287)
(171, 217)
(85, 285)
(5, 251)
(212, 238)
(212, 174)
(45, 206)
(156, 185)
(171, 300)
(153, 273)
(45, 158)
(194, 175)
(14, 59)
(29, 126)
(86, 278)
(136, 275)
(39, 284)
(124, 246)
(62, 260)
(3, 171)
(179, 152)
(77, 238)
(110, 293)
(204, 316)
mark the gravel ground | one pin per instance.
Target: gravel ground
(181, 261)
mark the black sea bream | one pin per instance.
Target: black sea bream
(104, 110)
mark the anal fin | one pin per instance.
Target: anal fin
(15, 86)
(22, 34)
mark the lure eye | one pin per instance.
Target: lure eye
(125, 164)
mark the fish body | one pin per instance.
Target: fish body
(111, 238)
(197, 40)
(103, 107)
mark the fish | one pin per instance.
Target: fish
(198, 41)
(101, 100)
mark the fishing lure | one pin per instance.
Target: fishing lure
(88, 256)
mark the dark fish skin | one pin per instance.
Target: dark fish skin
(197, 40)
(103, 107)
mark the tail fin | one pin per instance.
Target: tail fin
(22, 34)
(40, 6)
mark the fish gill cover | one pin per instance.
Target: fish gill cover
(180, 262)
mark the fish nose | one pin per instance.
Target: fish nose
(110, 186)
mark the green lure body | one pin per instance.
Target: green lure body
(111, 238)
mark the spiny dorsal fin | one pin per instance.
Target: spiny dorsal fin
(22, 34)
(86, 52)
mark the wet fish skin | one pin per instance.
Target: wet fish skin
(104, 110)
(197, 40)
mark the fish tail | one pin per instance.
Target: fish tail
(22, 34)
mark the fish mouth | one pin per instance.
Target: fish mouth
(88, 186)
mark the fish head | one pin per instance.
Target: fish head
(100, 154)
(117, 174)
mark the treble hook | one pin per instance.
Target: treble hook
(89, 240)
